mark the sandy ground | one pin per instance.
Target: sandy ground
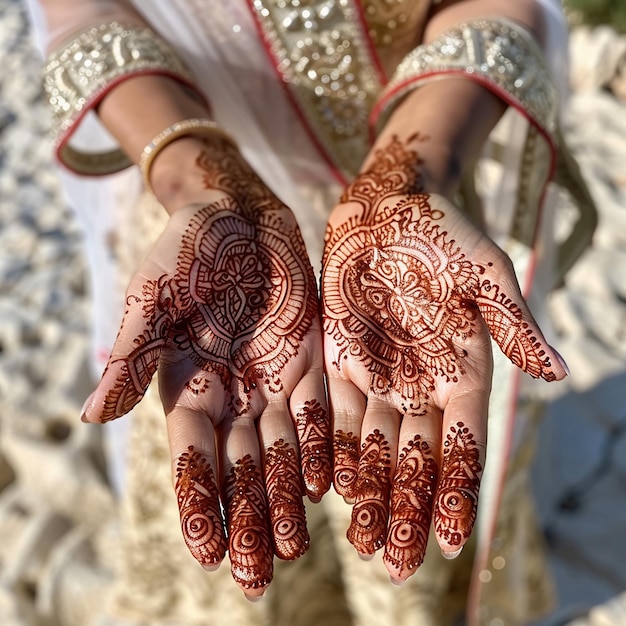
(580, 470)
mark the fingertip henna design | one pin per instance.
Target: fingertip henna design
(346, 463)
(514, 335)
(457, 494)
(370, 513)
(284, 494)
(411, 507)
(250, 549)
(313, 429)
(199, 506)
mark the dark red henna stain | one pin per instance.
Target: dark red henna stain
(240, 301)
(313, 428)
(199, 506)
(512, 333)
(411, 507)
(249, 545)
(457, 495)
(346, 463)
(284, 494)
(370, 513)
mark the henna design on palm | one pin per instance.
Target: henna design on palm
(370, 514)
(313, 431)
(249, 540)
(284, 494)
(239, 302)
(400, 292)
(411, 506)
(457, 494)
(346, 455)
(198, 503)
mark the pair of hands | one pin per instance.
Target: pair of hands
(226, 308)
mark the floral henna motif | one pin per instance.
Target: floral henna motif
(198, 503)
(249, 545)
(396, 289)
(284, 494)
(370, 513)
(315, 448)
(457, 494)
(411, 506)
(240, 301)
(346, 453)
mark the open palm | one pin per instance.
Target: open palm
(411, 292)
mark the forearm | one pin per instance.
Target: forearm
(450, 118)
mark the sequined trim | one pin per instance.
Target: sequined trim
(78, 75)
(324, 58)
(496, 52)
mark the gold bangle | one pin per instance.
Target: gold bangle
(194, 126)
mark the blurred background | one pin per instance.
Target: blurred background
(57, 546)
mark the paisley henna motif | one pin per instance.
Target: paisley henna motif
(284, 494)
(315, 447)
(457, 494)
(370, 513)
(411, 506)
(198, 503)
(346, 453)
(249, 544)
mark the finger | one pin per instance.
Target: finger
(135, 355)
(413, 490)
(347, 407)
(379, 447)
(249, 541)
(192, 447)
(283, 482)
(310, 413)
(462, 461)
(512, 325)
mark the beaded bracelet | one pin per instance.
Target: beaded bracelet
(193, 126)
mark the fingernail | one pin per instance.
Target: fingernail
(365, 557)
(210, 567)
(252, 598)
(83, 410)
(561, 360)
(397, 582)
(451, 555)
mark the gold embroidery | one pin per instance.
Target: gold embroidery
(322, 54)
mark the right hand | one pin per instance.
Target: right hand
(225, 307)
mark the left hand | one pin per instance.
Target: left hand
(411, 291)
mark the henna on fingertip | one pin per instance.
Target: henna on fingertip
(412, 495)
(249, 545)
(284, 494)
(370, 513)
(199, 506)
(346, 463)
(313, 427)
(456, 500)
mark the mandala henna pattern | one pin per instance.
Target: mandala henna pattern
(284, 494)
(198, 503)
(249, 544)
(346, 462)
(457, 494)
(370, 513)
(411, 506)
(240, 300)
(315, 447)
